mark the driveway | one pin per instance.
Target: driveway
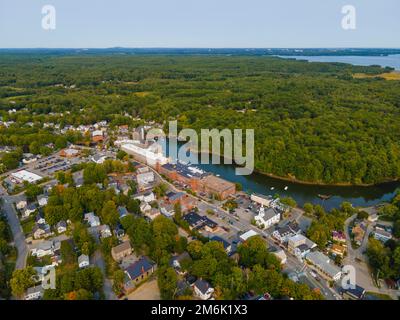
(98, 261)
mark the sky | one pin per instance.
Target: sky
(199, 23)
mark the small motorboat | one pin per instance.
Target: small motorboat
(286, 188)
(324, 196)
(272, 188)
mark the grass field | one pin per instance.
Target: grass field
(387, 76)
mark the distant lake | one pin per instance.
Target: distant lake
(383, 61)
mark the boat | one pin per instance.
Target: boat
(286, 188)
(272, 188)
(324, 196)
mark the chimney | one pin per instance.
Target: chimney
(142, 269)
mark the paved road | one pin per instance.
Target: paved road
(357, 259)
(98, 260)
(18, 234)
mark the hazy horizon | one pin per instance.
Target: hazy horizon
(199, 24)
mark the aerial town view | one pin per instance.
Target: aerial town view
(147, 171)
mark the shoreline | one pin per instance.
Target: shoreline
(302, 182)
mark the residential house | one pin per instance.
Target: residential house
(144, 180)
(279, 253)
(45, 248)
(382, 235)
(29, 209)
(41, 231)
(42, 200)
(61, 227)
(176, 262)
(282, 234)
(146, 197)
(138, 272)
(324, 266)
(338, 250)
(153, 213)
(92, 219)
(300, 246)
(121, 251)
(145, 207)
(358, 232)
(105, 231)
(338, 236)
(202, 289)
(34, 293)
(21, 204)
(123, 212)
(39, 219)
(356, 293)
(83, 261)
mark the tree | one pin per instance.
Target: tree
(308, 208)
(109, 213)
(133, 206)
(254, 251)
(118, 281)
(21, 280)
(121, 154)
(167, 282)
(160, 190)
(32, 191)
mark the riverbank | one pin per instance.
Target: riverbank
(292, 179)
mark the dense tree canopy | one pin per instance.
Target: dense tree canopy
(312, 121)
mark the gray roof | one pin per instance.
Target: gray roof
(139, 267)
(323, 262)
(202, 285)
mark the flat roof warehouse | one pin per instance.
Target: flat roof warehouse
(24, 175)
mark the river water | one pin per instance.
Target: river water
(384, 61)
(302, 193)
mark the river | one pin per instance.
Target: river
(302, 193)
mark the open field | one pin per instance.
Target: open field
(147, 291)
(387, 76)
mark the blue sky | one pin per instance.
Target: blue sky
(199, 23)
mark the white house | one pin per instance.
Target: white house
(248, 234)
(30, 208)
(145, 207)
(143, 179)
(42, 200)
(45, 248)
(21, 204)
(83, 261)
(382, 235)
(92, 219)
(146, 197)
(34, 293)
(105, 231)
(267, 218)
(61, 227)
(202, 289)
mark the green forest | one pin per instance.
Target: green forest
(313, 122)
